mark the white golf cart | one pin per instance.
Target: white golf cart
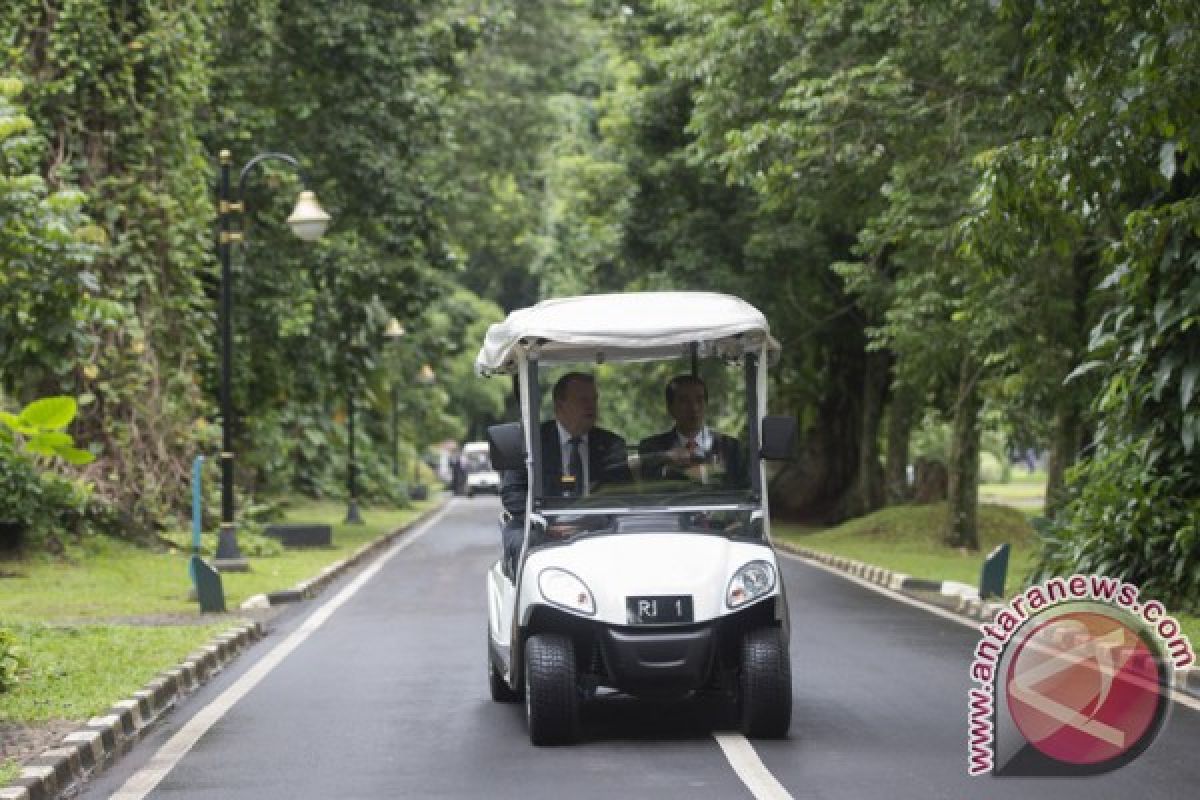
(477, 463)
(663, 588)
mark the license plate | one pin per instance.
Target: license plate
(659, 610)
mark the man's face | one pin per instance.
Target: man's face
(687, 407)
(577, 410)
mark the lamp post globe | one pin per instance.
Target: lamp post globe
(308, 220)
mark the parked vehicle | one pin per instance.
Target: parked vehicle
(477, 465)
(653, 588)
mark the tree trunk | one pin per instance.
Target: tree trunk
(899, 431)
(821, 486)
(870, 474)
(962, 529)
(1064, 447)
(1068, 435)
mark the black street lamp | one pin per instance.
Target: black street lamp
(308, 221)
(352, 515)
(425, 377)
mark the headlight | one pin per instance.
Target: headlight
(563, 589)
(750, 582)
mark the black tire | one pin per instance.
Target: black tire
(500, 691)
(469, 493)
(551, 699)
(765, 685)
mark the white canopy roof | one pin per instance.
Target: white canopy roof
(626, 327)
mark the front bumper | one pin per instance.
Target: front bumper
(680, 659)
(655, 660)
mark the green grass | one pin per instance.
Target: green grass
(908, 539)
(1025, 490)
(76, 672)
(9, 770)
(110, 580)
(97, 626)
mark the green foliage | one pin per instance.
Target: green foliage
(41, 425)
(117, 94)
(46, 248)
(41, 503)
(1128, 182)
(942, 199)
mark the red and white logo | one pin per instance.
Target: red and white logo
(1074, 678)
(1084, 688)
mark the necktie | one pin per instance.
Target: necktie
(691, 447)
(576, 463)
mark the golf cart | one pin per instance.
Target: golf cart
(477, 464)
(664, 588)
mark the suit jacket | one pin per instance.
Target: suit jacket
(608, 462)
(656, 466)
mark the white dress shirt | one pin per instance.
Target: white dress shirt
(703, 441)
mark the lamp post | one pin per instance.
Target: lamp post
(394, 332)
(308, 221)
(425, 377)
(352, 515)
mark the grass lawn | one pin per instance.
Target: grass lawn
(1025, 490)
(908, 539)
(106, 580)
(95, 627)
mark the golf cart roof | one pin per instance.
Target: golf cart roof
(637, 326)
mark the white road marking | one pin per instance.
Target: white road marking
(749, 767)
(146, 779)
(1180, 697)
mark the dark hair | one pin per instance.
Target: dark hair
(560, 386)
(683, 380)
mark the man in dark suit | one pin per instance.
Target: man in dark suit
(691, 450)
(576, 455)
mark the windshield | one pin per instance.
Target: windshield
(476, 461)
(645, 446)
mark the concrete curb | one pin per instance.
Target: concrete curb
(951, 596)
(61, 771)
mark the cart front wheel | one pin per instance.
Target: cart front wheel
(551, 699)
(765, 685)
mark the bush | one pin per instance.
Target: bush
(42, 505)
(1131, 520)
(21, 500)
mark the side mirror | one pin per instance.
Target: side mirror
(778, 438)
(506, 442)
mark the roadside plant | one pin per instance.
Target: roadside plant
(35, 504)
(41, 428)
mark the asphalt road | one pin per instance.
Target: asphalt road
(388, 698)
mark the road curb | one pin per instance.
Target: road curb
(61, 771)
(951, 596)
